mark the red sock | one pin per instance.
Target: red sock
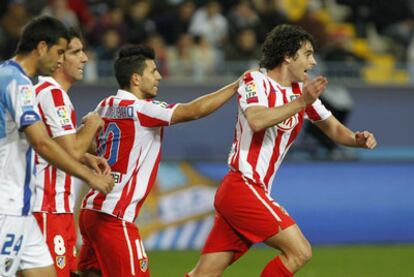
(276, 268)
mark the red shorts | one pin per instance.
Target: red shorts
(245, 215)
(111, 245)
(60, 235)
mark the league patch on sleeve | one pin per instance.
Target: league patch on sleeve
(161, 104)
(251, 93)
(64, 117)
(27, 98)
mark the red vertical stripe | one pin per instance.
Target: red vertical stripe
(66, 195)
(275, 157)
(53, 190)
(127, 192)
(98, 201)
(254, 152)
(150, 183)
(127, 128)
(85, 200)
(46, 189)
(57, 96)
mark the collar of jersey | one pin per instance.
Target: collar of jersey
(126, 95)
(49, 80)
(18, 66)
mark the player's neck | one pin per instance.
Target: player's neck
(281, 75)
(28, 63)
(64, 81)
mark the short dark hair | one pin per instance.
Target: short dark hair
(283, 40)
(43, 28)
(131, 59)
(74, 33)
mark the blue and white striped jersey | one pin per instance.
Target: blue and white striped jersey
(17, 110)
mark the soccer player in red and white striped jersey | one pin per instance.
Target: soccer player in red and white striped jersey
(54, 188)
(272, 106)
(131, 141)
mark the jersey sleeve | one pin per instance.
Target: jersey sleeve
(20, 101)
(317, 111)
(252, 91)
(155, 113)
(56, 109)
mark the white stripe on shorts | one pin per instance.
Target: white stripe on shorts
(131, 254)
(262, 200)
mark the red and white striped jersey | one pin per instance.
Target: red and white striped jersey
(54, 189)
(131, 142)
(258, 155)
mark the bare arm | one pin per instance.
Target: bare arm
(78, 144)
(260, 118)
(55, 155)
(204, 105)
(340, 134)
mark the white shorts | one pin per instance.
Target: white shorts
(22, 245)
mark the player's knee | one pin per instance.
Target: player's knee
(303, 255)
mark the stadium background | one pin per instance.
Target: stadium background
(355, 206)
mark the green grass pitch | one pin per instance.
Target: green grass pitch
(333, 261)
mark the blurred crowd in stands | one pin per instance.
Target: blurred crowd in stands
(197, 38)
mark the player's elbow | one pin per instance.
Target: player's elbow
(255, 125)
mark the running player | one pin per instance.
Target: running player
(131, 141)
(272, 107)
(54, 189)
(22, 247)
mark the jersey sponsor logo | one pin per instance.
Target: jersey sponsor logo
(28, 118)
(251, 94)
(26, 97)
(289, 123)
(60, 261)
(143, 265)
(63, 115)
(116, 176)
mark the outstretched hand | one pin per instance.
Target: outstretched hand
(365, 139)
(312, 89)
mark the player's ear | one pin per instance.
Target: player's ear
(136, 79)
(42, 48)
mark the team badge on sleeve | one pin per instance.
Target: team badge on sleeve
(251, 93)
(63, 116)
(26, 97)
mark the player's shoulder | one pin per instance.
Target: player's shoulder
(253, 76)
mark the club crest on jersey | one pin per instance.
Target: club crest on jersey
(143, 265)
(63, 116)
(26, 96)
(8, 263)
(60, 261)
(289, 123)
(251, 94)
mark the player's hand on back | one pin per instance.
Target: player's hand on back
(93, 118)
(98, 164)
(101, 183)
(365, 139)
(312, 89)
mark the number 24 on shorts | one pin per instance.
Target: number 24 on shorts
(11, 244)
